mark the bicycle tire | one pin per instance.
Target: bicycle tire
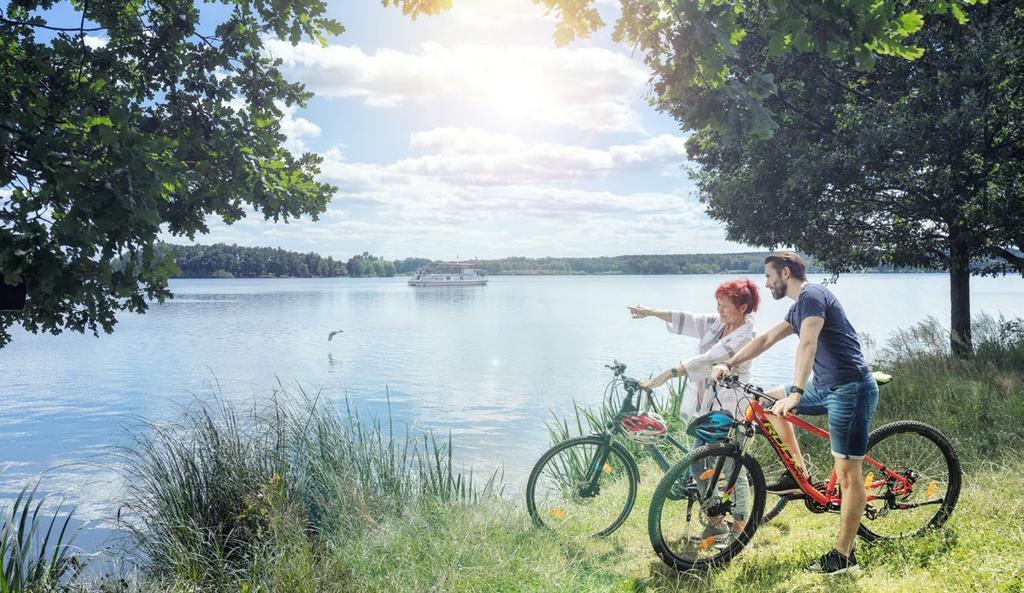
(615, 450)
(884, 446)
(681, 471)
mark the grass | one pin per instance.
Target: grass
(35, 547)
(298, 496)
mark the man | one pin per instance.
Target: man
(843, 388)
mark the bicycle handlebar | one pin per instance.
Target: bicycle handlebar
(617, 367)
(733, 382)
(631, 385)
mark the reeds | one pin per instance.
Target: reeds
(35, 547)
(206, 491)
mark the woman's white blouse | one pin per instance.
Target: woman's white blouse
(713, 349)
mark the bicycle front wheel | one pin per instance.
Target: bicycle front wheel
(583, 487)
(926, 485)
(706, 508)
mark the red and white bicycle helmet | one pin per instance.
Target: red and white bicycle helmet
(645, 428)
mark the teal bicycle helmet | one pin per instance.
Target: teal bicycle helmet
(711, 427)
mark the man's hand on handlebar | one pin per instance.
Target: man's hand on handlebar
(784, 407)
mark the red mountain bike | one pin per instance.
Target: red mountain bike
(912, 481)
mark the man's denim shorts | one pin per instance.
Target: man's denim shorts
(849, 407)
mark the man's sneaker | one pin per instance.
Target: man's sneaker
(786, 484)
(834, 563)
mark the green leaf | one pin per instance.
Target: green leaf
(958, 13)
(911, 23)
(99, 120)
(778, 43)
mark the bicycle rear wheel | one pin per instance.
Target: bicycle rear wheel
(926, 497)
(583, 486)
(706, 508)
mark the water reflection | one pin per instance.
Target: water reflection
(429, 295)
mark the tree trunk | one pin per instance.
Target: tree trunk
(960, 299)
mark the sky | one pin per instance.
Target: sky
(470, 134)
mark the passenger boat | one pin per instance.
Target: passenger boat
(449, 274)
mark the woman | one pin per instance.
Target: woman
(720, 336)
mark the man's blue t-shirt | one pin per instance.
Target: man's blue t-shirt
(838, 358)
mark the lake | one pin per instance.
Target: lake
(487, 364)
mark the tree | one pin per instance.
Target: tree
(690, 45)
(369, 266)
(137, 117)
(914, 164)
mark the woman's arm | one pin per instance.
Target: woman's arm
(676, 371)
(640, 311)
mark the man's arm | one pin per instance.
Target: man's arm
(810, 328)
(754, 348)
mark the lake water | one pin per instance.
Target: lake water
(487, 364)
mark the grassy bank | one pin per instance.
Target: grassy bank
(295, 495)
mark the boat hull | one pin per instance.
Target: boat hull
(420, 283)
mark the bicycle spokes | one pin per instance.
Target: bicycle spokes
(913, 484)
(582, 489)
(705, 510)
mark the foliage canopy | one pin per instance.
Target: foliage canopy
(136, 118)
(916, 163)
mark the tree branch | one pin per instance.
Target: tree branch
(1014, 260)
(78, 29)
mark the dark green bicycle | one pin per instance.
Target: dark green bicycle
(586, 486)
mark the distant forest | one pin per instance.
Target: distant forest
(233, 261)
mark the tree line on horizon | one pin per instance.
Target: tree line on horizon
(233, 261)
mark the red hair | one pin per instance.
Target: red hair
(741, 292)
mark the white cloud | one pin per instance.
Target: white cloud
(94, 42)
(395, 212)
(297, 129)
(471, 140)
(470, 156)
(585, 88)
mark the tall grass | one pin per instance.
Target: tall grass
(977, 401)
(209, 492)
(35, 548)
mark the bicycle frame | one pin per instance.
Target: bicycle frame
(627, 408)
(830, 498)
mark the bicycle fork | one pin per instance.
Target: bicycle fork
(597, 466)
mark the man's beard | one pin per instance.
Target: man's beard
(778, 291)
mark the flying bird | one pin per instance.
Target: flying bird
(331, 335)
